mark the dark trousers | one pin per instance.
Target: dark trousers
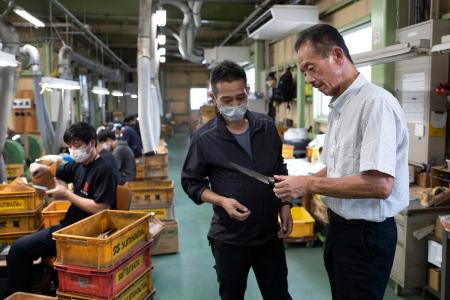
(359, 256)
(20, 259)
(234, 262)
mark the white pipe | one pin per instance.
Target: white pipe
(8, 81)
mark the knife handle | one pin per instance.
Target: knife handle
(272, 181)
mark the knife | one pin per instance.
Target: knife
(258, 176)
(40, 187)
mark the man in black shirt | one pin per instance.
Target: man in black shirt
(244, 230)
(94, 189)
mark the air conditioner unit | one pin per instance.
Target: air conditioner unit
(283, 20)
(240, 55)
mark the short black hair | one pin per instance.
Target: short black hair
(129, 118)
(80, 131)
(226, 71)
(323, 37)
(106, 134)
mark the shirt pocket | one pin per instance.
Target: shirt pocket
(344, 160)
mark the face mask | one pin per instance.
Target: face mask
(106, 146)
(80, 155)
(233, 113)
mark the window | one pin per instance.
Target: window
(357, 40)
(198, 97)
(250, 73)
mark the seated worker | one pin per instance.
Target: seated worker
(123, 155)
(132, 122)
(94, 186)
(132, 138)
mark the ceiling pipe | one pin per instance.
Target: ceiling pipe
(111, 74)
(8, 81)
(83, 27)
(31, 59)
(246, 21)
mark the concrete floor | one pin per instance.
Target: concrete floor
(189, 274)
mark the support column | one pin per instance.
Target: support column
(259, 65)
(384, 24)
(301, 99)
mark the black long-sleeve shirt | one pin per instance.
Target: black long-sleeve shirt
(206, 166)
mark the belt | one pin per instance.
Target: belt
(335, 218)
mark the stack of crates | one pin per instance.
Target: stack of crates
(105, 256)
(20, 214)
(155, 166)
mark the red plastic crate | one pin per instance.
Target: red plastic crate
(105, 284)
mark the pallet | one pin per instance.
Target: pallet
(309, 240)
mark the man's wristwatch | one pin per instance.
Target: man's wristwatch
(283, 203)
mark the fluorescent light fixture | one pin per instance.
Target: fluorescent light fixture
(117, 93)
(58, 83)
(162, 59)
(133, 96)
(27, 16)
(161, 17)
(7, 60)
(392, 53)
(161, 39)
(100, 90)
(161, 51)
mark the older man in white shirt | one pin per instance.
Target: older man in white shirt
(365, 181)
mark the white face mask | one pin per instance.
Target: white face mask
(80, 155)
(106, 146)
(233, 113)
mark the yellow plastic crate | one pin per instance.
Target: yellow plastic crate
(161, 212)
(303, 223)
(80, 245)
(21, 222)
(13, 202)
(154, 192)
(140, 289)
(55, 212)
(288, 151)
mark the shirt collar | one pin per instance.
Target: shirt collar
(337, 103)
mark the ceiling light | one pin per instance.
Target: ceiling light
(116, 93)
(7, 59)
(161, 39)
(161, 17)
(27, 16)
(133, 96)
(58, 83)
(161, 51)
(162, 59)
(100, 90)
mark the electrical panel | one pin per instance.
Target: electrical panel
(415, 83)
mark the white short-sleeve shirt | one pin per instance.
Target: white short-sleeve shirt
(367, 131)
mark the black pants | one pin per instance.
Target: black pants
(268, 262)
(21, 256)
(359, 256)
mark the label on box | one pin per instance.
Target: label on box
(435, 253)
(128, 241)
(161, 213)
(129, 269)
(8, 204)
(138, 290)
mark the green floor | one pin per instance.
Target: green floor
(189, 275)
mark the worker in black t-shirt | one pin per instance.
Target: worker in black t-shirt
(94, 189)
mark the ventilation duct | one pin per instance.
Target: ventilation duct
(283, 20)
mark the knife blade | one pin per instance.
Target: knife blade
(258, 176)
(40, 187)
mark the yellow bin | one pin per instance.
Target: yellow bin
(55, 212)
(81, 243)
(303, 223)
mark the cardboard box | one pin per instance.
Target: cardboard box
(438, 229)
(435, 253)
(434, 278)
(424, 179)
(168, 240)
